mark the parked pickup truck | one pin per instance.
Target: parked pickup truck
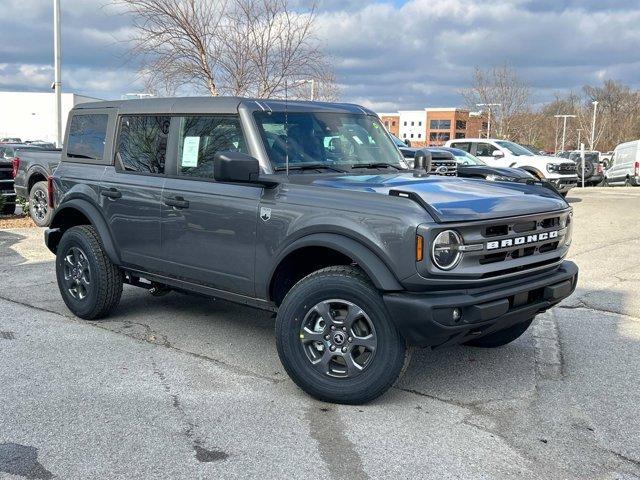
(502, 153)
(304, 209)
(31, 169)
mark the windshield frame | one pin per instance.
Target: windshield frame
(315, 127)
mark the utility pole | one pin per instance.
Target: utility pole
(593, 126)
(564, 128)
(57, 83)
(488, 105)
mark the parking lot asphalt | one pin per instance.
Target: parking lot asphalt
(187, 387)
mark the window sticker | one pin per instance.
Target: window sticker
(190, 151)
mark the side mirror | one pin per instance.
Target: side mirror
(422, 161)
(237, 167)
(497, 154)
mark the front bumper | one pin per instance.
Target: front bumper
(564, 184)
(426, 318)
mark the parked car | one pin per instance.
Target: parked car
(593, 167)
(502, 153)
(625, 165)
(8, 151)
(440, 164)
(42, 144)
(405, 148)
(31, 168)
(10, 140)
(304, 209)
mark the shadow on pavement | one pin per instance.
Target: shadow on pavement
(8, 254)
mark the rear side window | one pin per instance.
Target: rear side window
(87, 134)
(201, 137)
(465, 146)
(142, 143)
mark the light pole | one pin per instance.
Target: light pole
(593, 126)
(488, 105)
(57, 82)
(564, 128)
(579, 135)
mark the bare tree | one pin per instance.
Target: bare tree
(262, 48)
(500, 85)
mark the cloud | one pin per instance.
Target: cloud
(388, 54)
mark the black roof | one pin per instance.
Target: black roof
(220, 105)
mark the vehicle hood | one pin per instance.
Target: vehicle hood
(540, 159)
(452, 199)
(484, 170)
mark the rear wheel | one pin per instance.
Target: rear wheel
(501, 337)
(90, 284)
(39, 204)
(335, 338)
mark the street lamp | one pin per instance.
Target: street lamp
(593, 126)
(488, 105)
(564, 128)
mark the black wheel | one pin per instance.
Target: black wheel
(39, 204)
(335, 338)
(8, 209)
(89, 283)
(501, 337)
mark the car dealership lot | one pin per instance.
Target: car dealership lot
(185, 387)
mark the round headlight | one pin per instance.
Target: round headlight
(445, 251)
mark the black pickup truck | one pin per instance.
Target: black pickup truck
(306, 209)
(31, 168)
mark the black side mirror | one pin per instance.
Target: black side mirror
(422, 161)
(237, 167)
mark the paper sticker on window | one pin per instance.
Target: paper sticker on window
(357, 139)
(190, 151)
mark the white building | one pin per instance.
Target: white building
(413, 125)
(31, 115)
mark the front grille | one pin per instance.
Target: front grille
(508, 246)
(568, 167)
(444, 167)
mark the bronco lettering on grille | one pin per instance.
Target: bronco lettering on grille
(524, 240)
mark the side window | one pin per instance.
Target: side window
(466, 146)
(201, 137)
(87, 134)
(142, 143)
(485, 149)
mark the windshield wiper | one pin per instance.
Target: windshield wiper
(376, 165)
(310, 166)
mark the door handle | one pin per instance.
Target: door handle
(177, 202)
(111, 193)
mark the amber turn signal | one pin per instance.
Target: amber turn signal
(419, 248)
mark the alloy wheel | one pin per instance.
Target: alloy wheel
(338, 338)
(77, 273)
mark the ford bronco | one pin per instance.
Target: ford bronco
(308, 210)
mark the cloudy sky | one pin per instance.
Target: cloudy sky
(388, 54)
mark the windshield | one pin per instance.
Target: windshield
(335, 139)
(514, 148)
(465, 158)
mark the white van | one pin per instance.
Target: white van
(624, 168)
(502, 153)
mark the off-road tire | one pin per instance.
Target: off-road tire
(106, 279)
(350, 284)
(501, 337)
(39, 210)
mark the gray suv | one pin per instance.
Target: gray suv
(308, 210)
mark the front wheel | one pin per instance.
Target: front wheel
(335, 338)
(501, 337)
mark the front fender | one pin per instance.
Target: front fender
(379, 273)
